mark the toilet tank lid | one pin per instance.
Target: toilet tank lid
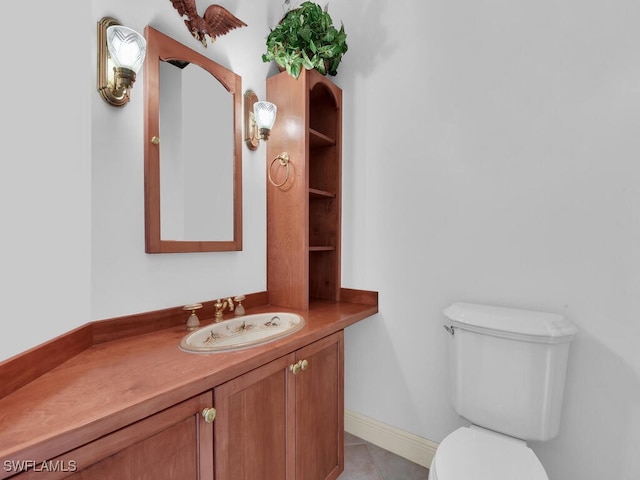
(509, 322)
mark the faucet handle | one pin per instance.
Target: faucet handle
(239, 306)
(193, 321)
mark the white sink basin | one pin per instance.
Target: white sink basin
(242, 332)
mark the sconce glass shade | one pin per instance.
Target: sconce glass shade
(126, 47)
(259, 118)
(265, 115)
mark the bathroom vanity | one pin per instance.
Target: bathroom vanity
(133, 405)
(119, 398)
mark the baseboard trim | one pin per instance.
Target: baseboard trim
(412, 447)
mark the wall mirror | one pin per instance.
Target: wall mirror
(192, 150)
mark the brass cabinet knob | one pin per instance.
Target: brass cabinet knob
(300, 365)
(209, 414)
(155, 140)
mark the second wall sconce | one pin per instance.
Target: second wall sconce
(121, 53)
(259, 118)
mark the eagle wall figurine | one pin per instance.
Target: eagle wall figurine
(217, 20)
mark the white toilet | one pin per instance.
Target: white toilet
(507, 369)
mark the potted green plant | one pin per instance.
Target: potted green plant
(306, 38)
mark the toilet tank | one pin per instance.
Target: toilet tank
(508, 368)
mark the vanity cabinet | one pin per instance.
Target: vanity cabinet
(131, 406)
(171, 444)
(284, 420)
(304, 208)
(281, 421)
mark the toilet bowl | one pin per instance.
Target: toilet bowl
(473, 453)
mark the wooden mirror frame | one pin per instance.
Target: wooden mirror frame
(161, 47)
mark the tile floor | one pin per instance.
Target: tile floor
(365, 461)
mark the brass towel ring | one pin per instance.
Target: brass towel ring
(284, 161)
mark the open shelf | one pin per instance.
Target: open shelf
(314, 192)
(317, 139)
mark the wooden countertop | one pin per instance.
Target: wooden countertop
(113, 384)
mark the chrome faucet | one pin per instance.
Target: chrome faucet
(220, 305)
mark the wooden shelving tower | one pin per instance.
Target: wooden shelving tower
(304, 214)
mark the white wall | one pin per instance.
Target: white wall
(503, 169)
(45, 173)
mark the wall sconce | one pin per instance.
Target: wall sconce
(121, 53)
(259, 118)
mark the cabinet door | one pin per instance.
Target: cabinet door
(319, 406)
(250, 431)
(174, 443)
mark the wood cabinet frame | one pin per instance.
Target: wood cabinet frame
(304, 214)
